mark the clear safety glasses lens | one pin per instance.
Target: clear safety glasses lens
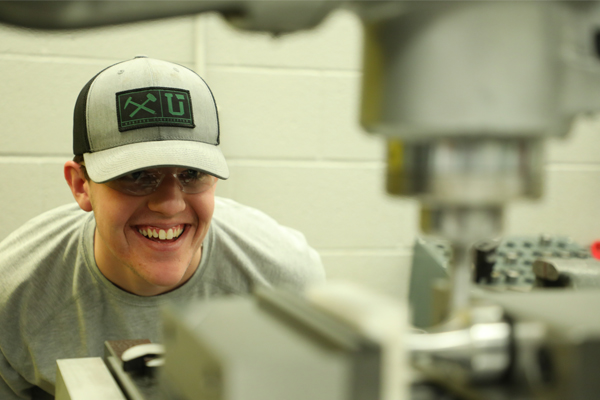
(142, 183)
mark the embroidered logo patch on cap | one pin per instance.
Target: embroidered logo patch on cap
(154, 106)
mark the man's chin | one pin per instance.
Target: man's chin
(167, 281)
(162, 278)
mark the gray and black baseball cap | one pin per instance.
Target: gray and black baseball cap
(147, 113)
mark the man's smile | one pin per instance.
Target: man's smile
(161, 234)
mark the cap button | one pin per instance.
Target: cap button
(141, 56)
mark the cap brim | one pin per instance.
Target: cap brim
(109, 164)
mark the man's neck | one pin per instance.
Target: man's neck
(130, 280)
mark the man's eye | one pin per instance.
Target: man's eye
(141, 177)
(191, 175)
(128, 178)
(134, 176)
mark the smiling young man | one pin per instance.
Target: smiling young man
(149, 243)
(146, 228)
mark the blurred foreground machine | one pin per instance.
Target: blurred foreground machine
(523, 345)
(464, 93)
(341, 343)
(532, 330)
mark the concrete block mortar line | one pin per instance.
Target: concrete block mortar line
(34, 159)
(572, 167)
(349, 163)
(56, 59)
(60, 59)
(314, 72)
(306, 163)
(401, 251)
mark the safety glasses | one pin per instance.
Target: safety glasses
(142, 183)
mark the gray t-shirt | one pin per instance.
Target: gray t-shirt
(55, 303)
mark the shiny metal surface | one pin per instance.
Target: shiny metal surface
(273, 16)
(448, 69)
(87, 14)
(467, 171)
(481, 349)
(462, 184)
(463, 226)
(446, 84)
(575, 273)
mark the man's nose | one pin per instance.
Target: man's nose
(168, 199)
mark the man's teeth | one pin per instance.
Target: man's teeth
(161, 233)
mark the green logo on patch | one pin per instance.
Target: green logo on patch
(141, 108)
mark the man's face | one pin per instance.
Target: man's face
(125, 248)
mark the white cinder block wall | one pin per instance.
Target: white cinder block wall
(289, 120)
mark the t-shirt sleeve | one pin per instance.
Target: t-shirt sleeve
(251, 246)
(29, 286)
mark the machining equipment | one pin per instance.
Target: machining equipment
(530, 330)
(276, 345)
(342, 343)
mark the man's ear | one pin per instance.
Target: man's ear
(80, 187)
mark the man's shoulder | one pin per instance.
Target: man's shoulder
(42, 276)
(241, 220)
(266, 249)
(52, 220)
(230, 210)
(36, 252)
(38, 267)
